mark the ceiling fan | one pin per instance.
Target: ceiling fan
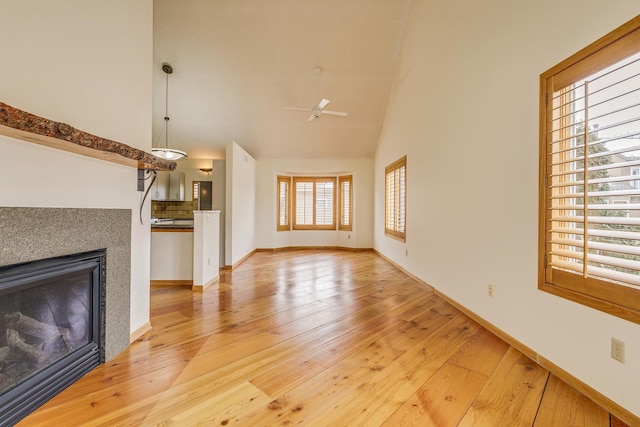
(319, 110)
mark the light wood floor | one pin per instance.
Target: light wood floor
(316, 338)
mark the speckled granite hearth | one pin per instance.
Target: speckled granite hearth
(29, 234)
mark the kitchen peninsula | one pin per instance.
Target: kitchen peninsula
(186, 252)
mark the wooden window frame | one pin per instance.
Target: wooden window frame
(287, 225)
(396, 231)
(341, 224)
(195, 190)
(314, 180)
(615, 299)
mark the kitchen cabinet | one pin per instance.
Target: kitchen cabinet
(168, 186)
(171, 256)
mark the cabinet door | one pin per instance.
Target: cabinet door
(176, 186)
(160, 189)
(168, 186)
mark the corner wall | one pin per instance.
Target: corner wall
(88, 64)
(240, 204)
(464, 109)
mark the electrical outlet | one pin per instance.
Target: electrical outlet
(406, 253)
(348, 236)
(617, 349)
(490, 290)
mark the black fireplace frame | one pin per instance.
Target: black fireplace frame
(51, 380)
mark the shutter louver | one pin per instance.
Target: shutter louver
(395, 198)
(345, 183)
(304, 203)
(593, 166)
(284, 202)
(314, 203)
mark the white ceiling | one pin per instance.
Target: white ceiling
(239, 63)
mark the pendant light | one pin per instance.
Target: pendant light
(166, 152)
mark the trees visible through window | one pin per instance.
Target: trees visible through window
(395, 193)
(589, 196)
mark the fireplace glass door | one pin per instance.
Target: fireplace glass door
(50, 332)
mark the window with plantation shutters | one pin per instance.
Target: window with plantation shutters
(314, 203)
(590, 162)
(283, 203)
(395, 187)
(345, 184)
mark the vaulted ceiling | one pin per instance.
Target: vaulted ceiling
(238, 65)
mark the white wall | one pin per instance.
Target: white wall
(219, 201)
(464, 109)
(87, 64)
(206, 239)
(240, 203)
(267, 209)
(191, 169)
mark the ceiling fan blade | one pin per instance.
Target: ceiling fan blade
(323, 103)
(299, 109)
(335, 113)
(311, 117)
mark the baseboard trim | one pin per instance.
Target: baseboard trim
(201, 288)
(243, 259)
(603, 401)
(133, 336)
(294, 248)
(413, 276)
(172, 283)
(315, 248)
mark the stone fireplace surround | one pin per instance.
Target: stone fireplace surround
(29, 234)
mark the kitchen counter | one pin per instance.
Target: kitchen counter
(164, 228)
(171, 224)
(186, 252)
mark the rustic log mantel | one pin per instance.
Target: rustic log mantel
(28, 127)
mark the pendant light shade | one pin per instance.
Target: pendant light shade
(166, 152)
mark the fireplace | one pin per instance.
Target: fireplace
(50, 328)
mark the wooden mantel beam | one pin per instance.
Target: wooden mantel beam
(28, 127)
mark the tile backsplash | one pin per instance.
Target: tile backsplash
(162, 209)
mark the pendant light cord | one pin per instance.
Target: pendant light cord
(166, 113)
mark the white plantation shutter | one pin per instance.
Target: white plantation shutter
(589, 186)
(283, 203)
(345, 184)
(324, 203)
(314, 203)
(304, 203)
(395, 198)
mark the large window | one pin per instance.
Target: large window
(395, 198)
(590, 154)
(345, 183)
(284, 203)
(314, 203)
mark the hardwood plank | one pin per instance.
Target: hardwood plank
(445, 397)
(312, 337)
(218, 410)
(388, 388)
(300, 367)
(563, 406)
(441, 401)
(511, 395)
